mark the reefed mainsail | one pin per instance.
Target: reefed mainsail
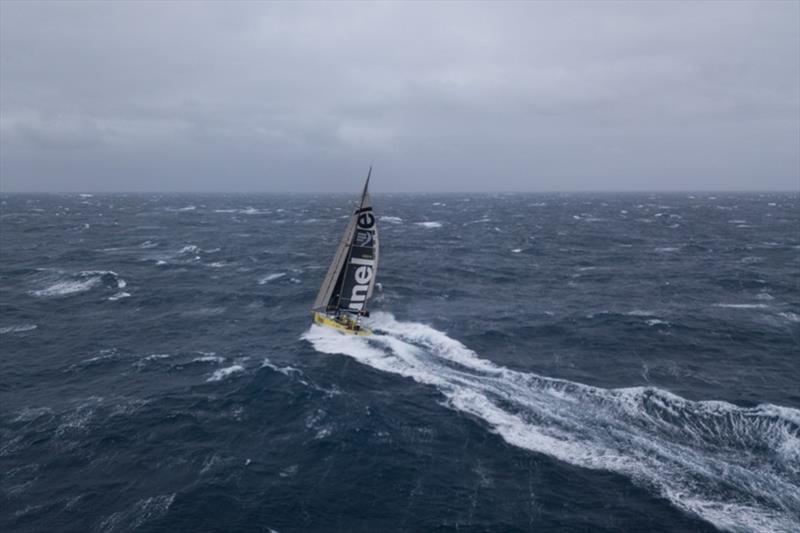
(350, 279)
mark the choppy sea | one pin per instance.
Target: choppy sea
(541, 362)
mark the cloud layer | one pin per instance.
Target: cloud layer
(439, 96)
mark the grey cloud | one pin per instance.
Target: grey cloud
(439, 96)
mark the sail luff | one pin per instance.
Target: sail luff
(342, 252)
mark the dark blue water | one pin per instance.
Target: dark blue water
(540, 363)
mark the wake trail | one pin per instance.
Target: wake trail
(737, 468)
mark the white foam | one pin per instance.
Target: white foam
(516, 250)
(223, 373)
(64, 288)
(270, 277)
(640, 312)
(208, 359)
(119, 296)
(791, 317)
(157, 356)
(285, 370)
(188, 208)
(667, 249)
(728, 465)
(140, 512)
(189, 249)
(18, 328)
(429, 225)
(391, 220)
(742, 306)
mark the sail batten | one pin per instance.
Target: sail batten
(350, 279)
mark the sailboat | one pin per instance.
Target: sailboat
(347, 288)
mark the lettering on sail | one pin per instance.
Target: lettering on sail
(362, 275)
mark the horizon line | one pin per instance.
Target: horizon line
(544, 191)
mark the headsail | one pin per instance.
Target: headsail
(351, 277)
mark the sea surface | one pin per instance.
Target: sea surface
(541, 362)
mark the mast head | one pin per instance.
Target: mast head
(366, 183)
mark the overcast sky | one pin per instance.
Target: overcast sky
(448, 96)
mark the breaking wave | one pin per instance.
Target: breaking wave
(738, 468)
(20, 328)
(270, 277)
(429, 225)
(223, 373)
(81, 282)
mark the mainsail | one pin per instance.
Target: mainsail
(351, 277)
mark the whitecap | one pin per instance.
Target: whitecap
(189, 249)
(119, 296)
(142, 511)
(667, 249)
(640, 312)
(270, 277)
(429, 225)
(742, 306)
(18, 328)
(223, 373)
(209, 359)
(391, 220)
(516, 250)
(64, 288)
(791, 317)
(285, 370)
